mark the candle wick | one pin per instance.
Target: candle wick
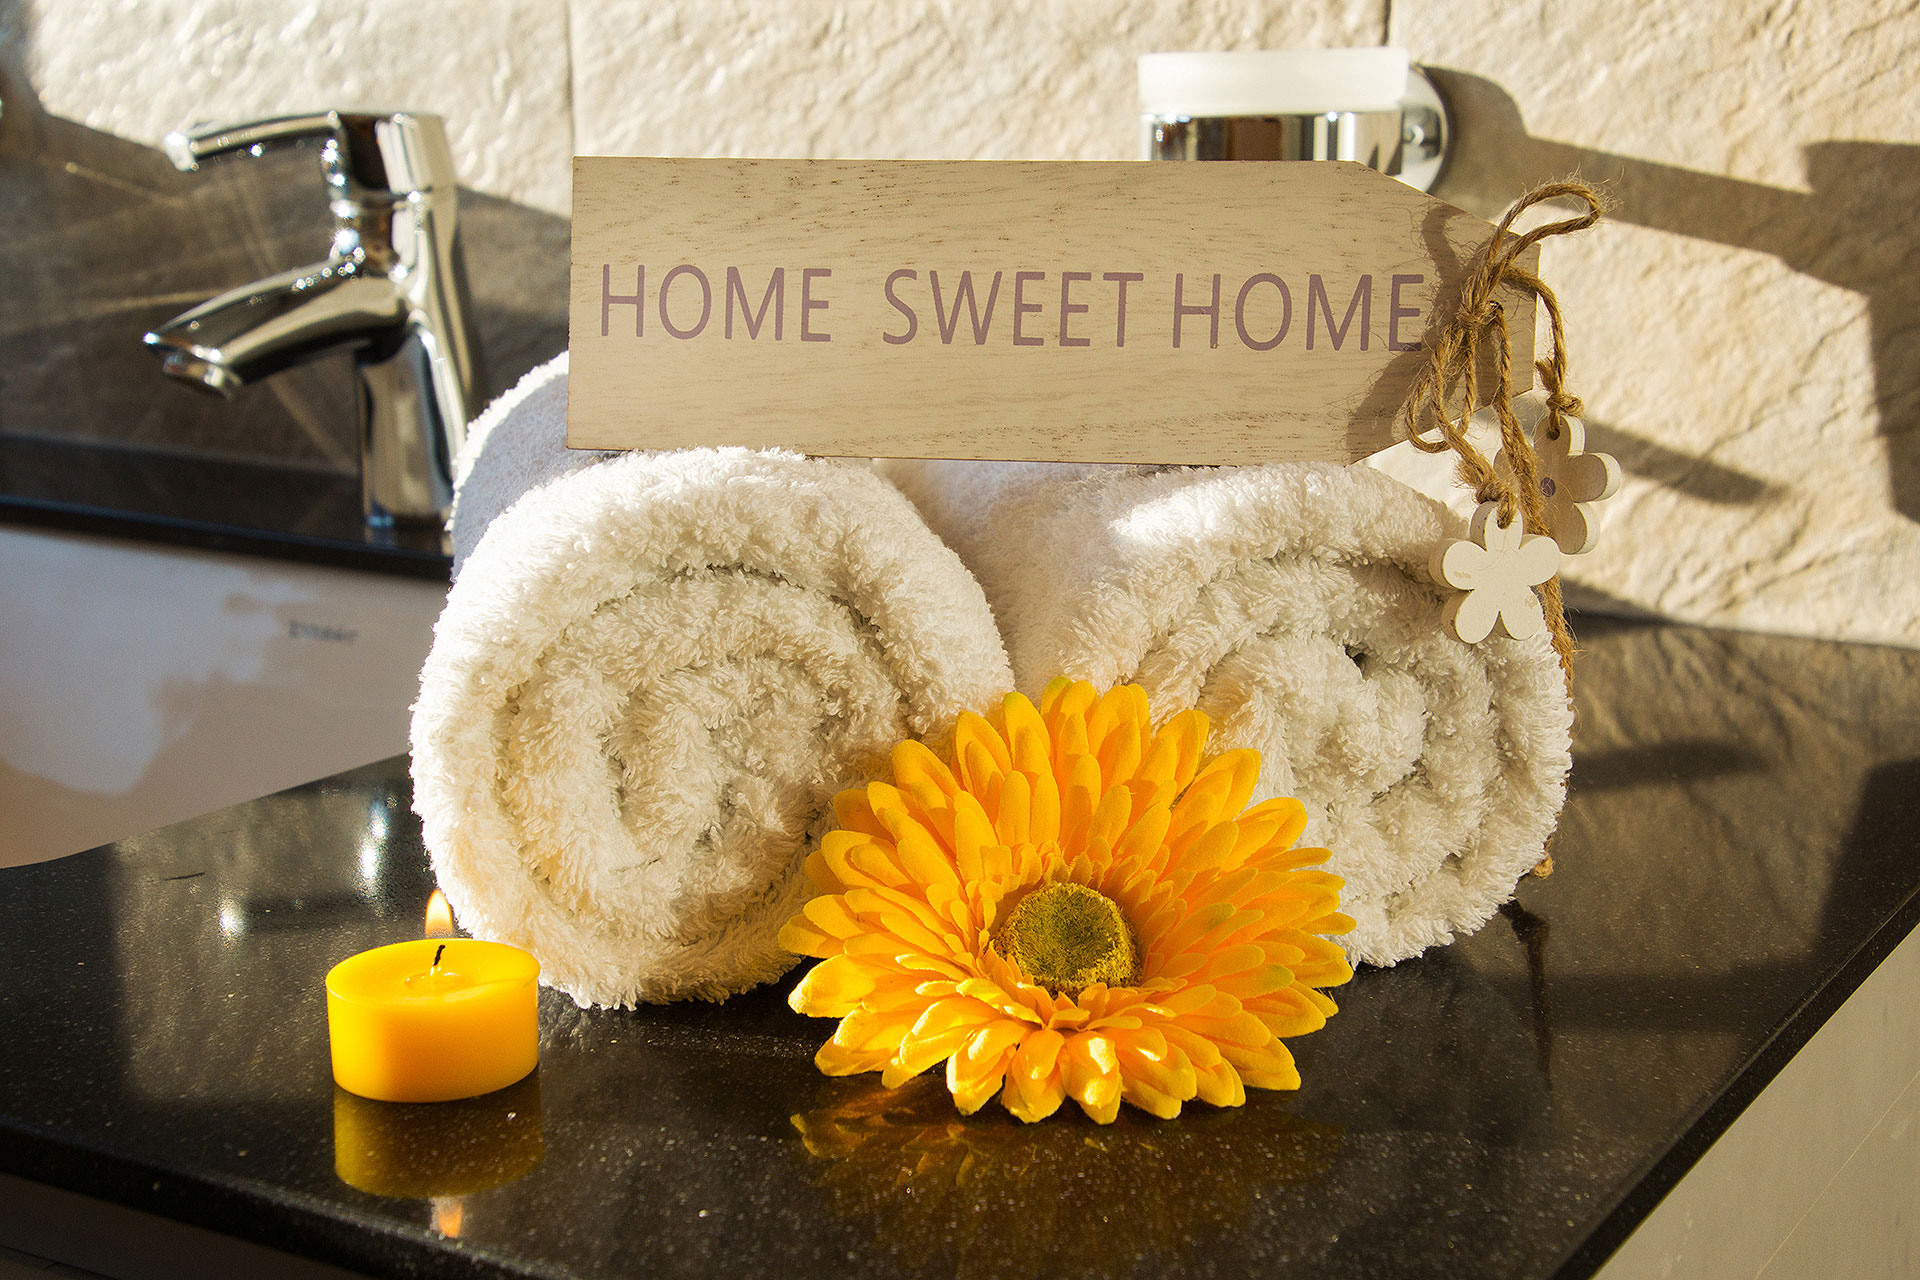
(437, 953)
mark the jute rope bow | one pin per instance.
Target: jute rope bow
(1453, 357)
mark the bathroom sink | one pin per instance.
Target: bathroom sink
(143, 684)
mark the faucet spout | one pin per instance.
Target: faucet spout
(392, 291)
(256, 330)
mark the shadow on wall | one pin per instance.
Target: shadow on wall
(102, 240)
(1856, 229)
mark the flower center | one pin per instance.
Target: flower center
(1066, 937)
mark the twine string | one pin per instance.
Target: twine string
(1452, 374)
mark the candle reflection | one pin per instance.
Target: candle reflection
(438, 1150)
(448, 1211)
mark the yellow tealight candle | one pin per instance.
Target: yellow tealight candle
(433, 1020)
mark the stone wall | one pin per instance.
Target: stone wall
(1740, 329)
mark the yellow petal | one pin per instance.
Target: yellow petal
(1031, 1103)
(1162, 1078)
(831, 916)
(1144, 838)
(1214, 849)
(1035, 1088)
(1111, 817)
(1220, 1085)
(1202, 1052)
(1322, 962)
(1119, 752)
(1092, 1075)
(955, 1011)
(832, 988)
(1287, 1012)
(851, 810)
(1190, 930)
(836, 856)
(979, 775)
(804, 939)
(1051, 694)
(975, 1073)
(819, 874)
(1268, 1067)
(1073, 704)
(972, 832)
(926, 862)
(1180, 740)
(865, 1030)
(1082, 793)
(1198, 808)
(1113, 711)
(1012, 822)
(1273, 824)
(917, 1052)
(1242, 769)
(1149, 1097)
(1043, 822)
(974, 731)
(921, 772)
(838, 1060)
(1027, 737)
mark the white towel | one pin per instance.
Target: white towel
(1292, 604)
(652, 676)
(518, 444)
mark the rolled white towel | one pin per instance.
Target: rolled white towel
(1292, 604)
(652, 676)
(518, 444)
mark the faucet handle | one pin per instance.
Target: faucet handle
(366, 156)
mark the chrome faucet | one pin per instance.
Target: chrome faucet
(392, 290)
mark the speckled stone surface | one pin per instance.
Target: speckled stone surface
(289, 513)
(1739, 850)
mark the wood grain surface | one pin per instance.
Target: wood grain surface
(1079, 311)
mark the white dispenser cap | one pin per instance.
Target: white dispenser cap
(1273, 82)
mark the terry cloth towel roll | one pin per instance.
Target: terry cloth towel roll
(519, 443)
(1292, 604)
(651, 678)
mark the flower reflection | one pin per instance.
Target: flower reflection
(1004, 1199)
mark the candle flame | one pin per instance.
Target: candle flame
(439, 916)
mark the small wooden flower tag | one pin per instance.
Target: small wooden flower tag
(1495, 570)
(1572, 481)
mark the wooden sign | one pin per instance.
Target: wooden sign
(1111, 312)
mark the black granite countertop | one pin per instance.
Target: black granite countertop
(1740, 849)
(255, 508)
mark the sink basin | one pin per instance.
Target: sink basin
(141, 684)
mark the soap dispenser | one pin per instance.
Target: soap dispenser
(1366, 104)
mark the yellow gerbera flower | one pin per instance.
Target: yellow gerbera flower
(1073, 908)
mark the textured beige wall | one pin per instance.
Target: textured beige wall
(1741, 330)
(497, 70)
(882, 79)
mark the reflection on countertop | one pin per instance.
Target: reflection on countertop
(1741, 846)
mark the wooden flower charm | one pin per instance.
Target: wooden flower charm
(1572, 481)
(1496, 571)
